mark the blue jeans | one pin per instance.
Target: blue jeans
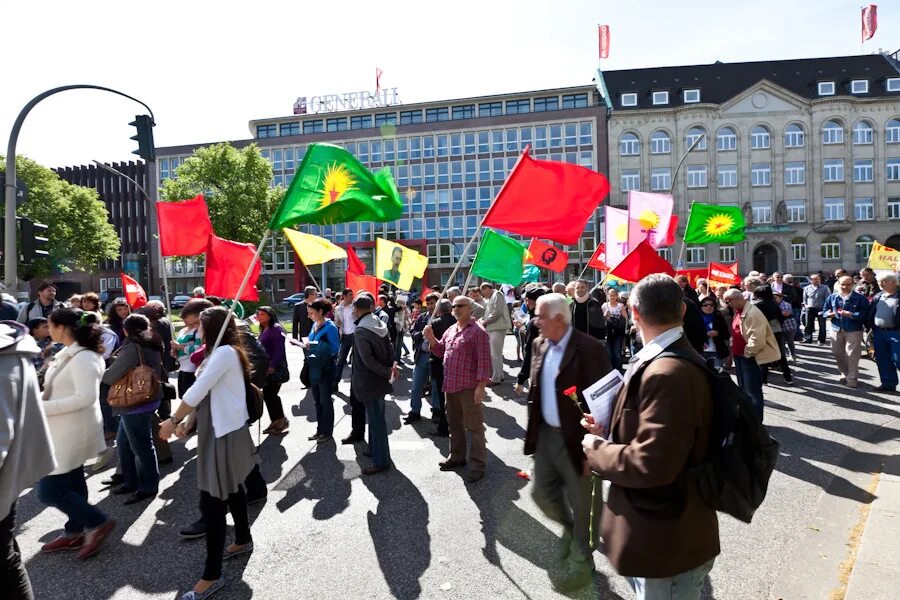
(378, 435)
(324, 405)
(420, 376)
(684, 586)
(713, 360)
(749, 378)
(68, 493)
(110, 422)
(887, 355)
(614, 345)
(137, 455)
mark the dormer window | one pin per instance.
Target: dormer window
(660, 98)
(691, 96)
(628, 99)
(892, 84)
(826, 88)
(859, 86)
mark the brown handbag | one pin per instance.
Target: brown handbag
(139, 385)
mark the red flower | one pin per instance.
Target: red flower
(571, 391)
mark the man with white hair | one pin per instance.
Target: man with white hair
(848, 311)
(496, 321)
(814, 296)
(884, 320)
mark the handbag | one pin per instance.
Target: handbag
(281, 374)
(139, 385)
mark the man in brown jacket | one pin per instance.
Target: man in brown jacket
(657, 530)
(562, 358)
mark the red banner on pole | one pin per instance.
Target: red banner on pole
(604, 40)
(720, 274)
(869, 21)
(135, 295)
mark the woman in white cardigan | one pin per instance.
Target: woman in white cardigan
(71, 389)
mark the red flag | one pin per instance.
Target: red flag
(226, 264)
(425, 292)
(604, 40)
(693, 275)
(640, 262)
(869, 21)
(378, 73)
(547, 256)
(547, 200)
(184, 227)
(673, 230)
(598, 260)
(361, 283)
(354, 265)
(723, 274)
(134, 293)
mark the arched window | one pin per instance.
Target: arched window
(832, 133)
(830, 248)
(864, 244)
(892, 132)
(692, 135)
(660, 143)
(794, 136)
(629, 145)
(862, 133)
(726, 139)
(760, 137)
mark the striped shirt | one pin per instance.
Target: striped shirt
(467, 356)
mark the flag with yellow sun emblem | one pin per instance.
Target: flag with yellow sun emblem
(331, 186)
(711, 224)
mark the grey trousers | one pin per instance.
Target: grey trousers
(497, 339)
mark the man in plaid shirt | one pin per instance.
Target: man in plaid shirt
(466, 350)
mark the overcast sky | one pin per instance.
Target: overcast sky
(206, 69)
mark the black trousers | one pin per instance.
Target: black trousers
(214, 510)
(437, 377)
(254, 485)
(273, 400)
(13, 577)
(185, 381)
(814, 317)
(343, 355)
(357, 416)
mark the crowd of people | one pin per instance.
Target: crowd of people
(72, 364)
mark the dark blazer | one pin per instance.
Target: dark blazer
(302, 324)
(721, 340)
(655, 524)
(694, 329)
(584, 362)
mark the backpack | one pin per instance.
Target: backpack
(254, 399)
(741, 456)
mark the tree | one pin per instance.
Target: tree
(235, 184)
(79, 232)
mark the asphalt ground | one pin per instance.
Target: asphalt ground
(325, 531)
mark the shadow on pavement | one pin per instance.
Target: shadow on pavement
(318, 476)
(506, 425)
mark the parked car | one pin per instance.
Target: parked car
(180, 300)
(292, 299)
(801, 280)
(157, 298)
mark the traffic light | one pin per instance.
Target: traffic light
(34, 240)
(144, 137)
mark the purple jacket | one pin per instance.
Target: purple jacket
(272, 339)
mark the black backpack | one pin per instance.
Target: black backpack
(734, 476)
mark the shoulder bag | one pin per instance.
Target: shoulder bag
(139, 386)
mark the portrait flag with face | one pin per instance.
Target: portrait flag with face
(398, 265)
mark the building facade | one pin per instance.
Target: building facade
(810, 149)
(449, 159)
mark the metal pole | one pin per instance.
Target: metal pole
(672, 188)
(9, 249)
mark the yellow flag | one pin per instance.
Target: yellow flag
(312, 249)
(398, 265)
(883, 258)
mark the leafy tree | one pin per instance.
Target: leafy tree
(235, 184)
(79, 232)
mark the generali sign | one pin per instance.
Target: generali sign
(346, 101)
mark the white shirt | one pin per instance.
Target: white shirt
(346, 317)
(549, 371)
(653, 348)
(222, 377)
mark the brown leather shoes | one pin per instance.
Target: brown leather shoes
(64, 542)
(94, 539)
(450, 465)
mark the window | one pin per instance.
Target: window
(693, 134)
(834, 170)
(796, 211)
(862, 133)
(864, 209)
(859, 86)
(339, 124)
(665, 253)
(862, 170)
(490, 109)
(385, 119)
(864, 244)
(794, 173)
(696, 254)
(466, 111)
(831, 248)
(660, 98)
(545, 104)
(892, 132)
(832, 133)
(484, 142)
(833, 210)
(289, 129)
(696, 176)
(575, 101)
(761, 174)
(433, 115)
(726, 254)
(497, 141)
(585, 134)
(361, 122)
(572, 135)
(726, 139)
(691, 96)
(631, 179)
(628, 99)
(512, 140)
(762, 212)
(893, 209)
(893, 169)
(727, 176)
(826, 88)
(518, 107)
(892, 84)
(759, 138)
(794, 136)
(555, 136)
(266, 131)
(410, 117)
(313, 126)
(660, 143)
(661, 179)
(629, 145)
(798, 249)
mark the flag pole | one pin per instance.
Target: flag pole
(687, 228)
(311, 276)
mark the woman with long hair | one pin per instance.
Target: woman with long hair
(225, 451)
(272, 337)
(116, 313)
(137, 454)
(616, 316)
(324, 345)
(70, 395)
(764, 300)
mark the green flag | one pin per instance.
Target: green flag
(500, 258)
(530, 274)
(331, 186)
(711, 224)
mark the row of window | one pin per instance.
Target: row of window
(474, 171)
(760, 137)
(429, 115)
(829, 249)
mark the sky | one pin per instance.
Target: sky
(207, 68)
